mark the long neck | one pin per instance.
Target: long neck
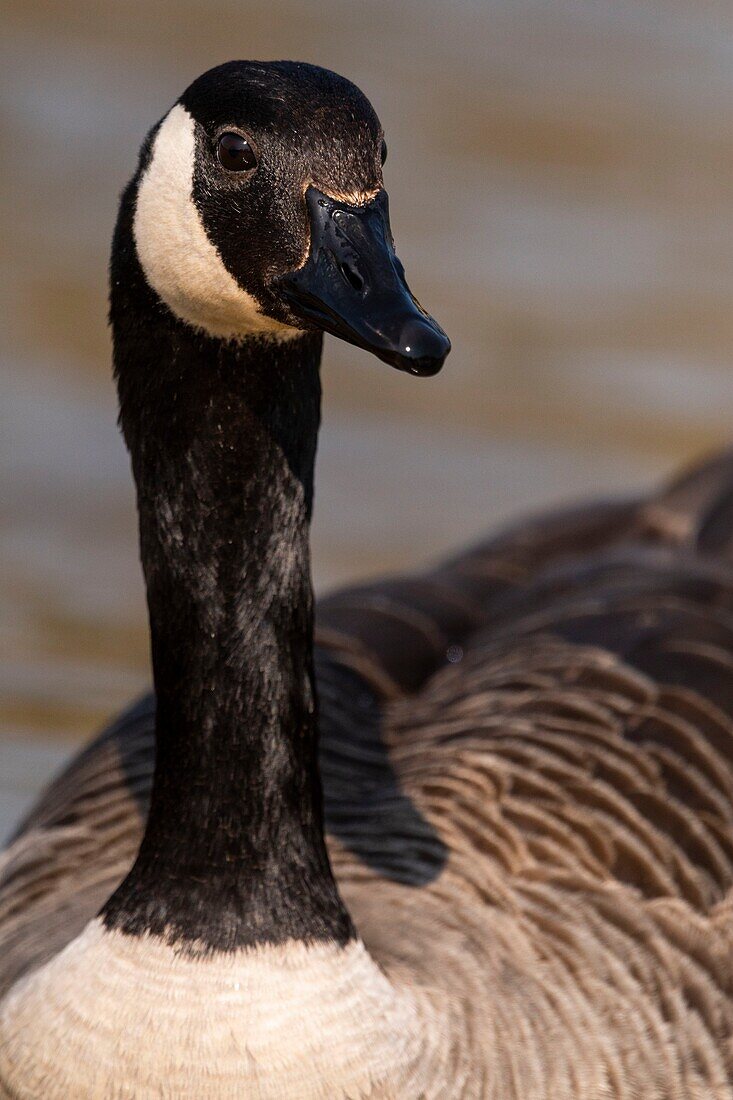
(223, 441)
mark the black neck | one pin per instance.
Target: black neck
(223, 439)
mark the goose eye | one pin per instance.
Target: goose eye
(235, 153)
(384, 150)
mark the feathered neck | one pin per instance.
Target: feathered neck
(223, 438)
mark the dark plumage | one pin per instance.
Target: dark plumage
(526, 755)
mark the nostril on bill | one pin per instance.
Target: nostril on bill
(352, 276)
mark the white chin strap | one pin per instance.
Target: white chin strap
(179, 261)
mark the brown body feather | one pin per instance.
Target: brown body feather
(563, 878)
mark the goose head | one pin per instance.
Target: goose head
(260, 212)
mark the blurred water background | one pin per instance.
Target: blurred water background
(561, 184)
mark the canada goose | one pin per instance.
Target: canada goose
(526, 754)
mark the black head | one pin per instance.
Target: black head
(260, 211)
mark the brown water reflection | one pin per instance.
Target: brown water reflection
(561, 179)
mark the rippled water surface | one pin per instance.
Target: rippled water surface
(561, 181)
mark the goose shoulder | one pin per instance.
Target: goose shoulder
(530, 614)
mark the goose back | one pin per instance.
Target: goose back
(527, 760)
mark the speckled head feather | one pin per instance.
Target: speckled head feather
(211, 242)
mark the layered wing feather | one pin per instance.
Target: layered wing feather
(540, 728)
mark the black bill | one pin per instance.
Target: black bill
(353, 286)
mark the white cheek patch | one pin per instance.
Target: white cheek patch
(179, 260)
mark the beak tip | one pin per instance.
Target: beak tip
(364, 301)
(423, 347)
(426, 368)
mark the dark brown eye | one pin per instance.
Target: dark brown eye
(235, 153)
(384, 150)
